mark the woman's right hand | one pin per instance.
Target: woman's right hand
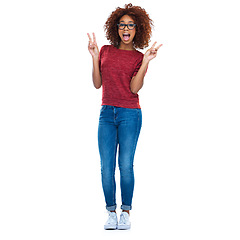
(92, 46)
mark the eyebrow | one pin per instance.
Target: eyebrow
(124, 22)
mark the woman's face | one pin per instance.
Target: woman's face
(127, 35)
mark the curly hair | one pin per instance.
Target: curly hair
(142, 20)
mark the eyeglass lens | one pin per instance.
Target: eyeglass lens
(129, 25)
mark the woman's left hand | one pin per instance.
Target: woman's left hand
(151, 53)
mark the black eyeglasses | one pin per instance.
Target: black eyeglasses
(130, 26)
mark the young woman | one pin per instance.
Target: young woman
(120, 69)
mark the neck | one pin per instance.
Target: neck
(128, 47)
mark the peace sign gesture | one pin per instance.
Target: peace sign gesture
(92, 46)
(151, 53)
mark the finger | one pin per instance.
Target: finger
(154, 45)
(153, 52)
(90, 39)
(94, 37)
(158, 46)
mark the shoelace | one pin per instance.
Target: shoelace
(111, 218)
(123, 219)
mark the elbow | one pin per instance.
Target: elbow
(97, 83)
(134, 91)
(97, 86)
(135, 86)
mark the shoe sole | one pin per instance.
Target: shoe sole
(111, 227)
(124, 227)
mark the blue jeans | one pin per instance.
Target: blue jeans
(119, 128)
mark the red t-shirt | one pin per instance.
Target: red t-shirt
(117, 68)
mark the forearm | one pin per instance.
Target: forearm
(96, 75)
(137, 81)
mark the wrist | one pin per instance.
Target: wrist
(95, 57)
(145, 61)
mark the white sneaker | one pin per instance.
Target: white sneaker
(112, 221)
(124, 222)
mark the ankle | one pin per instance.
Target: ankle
(127, 211)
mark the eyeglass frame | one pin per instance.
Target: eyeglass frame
(134, 25)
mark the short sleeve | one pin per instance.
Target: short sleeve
(100, 55)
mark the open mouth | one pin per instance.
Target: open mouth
(126, 36)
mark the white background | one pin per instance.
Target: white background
(187, 159)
